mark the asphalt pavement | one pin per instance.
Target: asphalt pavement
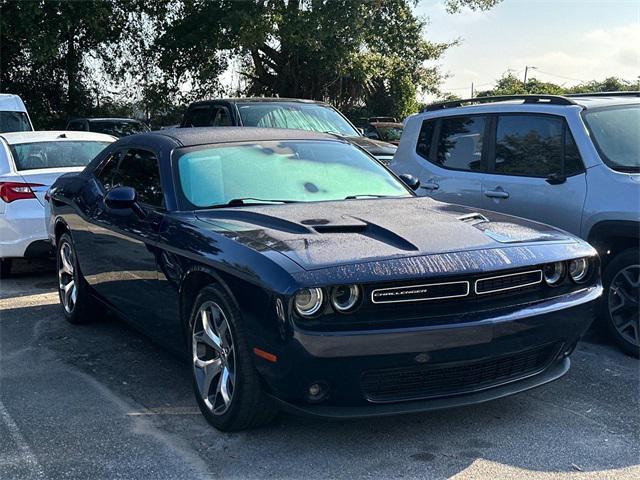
(101, 401)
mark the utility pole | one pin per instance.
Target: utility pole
(526, 70)
(471, 89)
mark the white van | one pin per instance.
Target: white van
(13, 114)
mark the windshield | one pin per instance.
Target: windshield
(294, 171)
(616, 135)
(117, 128)
(14, 122)
(302, 116)
(31, 156)
(389, 134)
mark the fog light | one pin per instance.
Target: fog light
(317, 392)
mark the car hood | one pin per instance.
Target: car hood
(374, 147)
(325, 234)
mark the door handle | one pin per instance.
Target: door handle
(496, 194)
(430, 186)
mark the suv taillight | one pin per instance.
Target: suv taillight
(10, 191)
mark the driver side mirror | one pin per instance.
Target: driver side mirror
(410, 181)
(120, 198)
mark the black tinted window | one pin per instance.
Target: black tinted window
(199, 117)
(529, 145)
(139, 169)
(460, 143)
(425, 138)
(221, 117)
(107, 171)
(572, 161)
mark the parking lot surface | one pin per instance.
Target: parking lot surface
(102, 401)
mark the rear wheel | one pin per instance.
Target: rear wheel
(5, 267)
(621, 304)
(72, 288)
(225, 382)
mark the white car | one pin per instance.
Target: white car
(29, 163)
(13, 114)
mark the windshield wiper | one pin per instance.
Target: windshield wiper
(234, 202)
(366, 195)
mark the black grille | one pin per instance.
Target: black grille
(418, 293)
(508, 282)
(428, 381)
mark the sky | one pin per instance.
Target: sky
(568, 41)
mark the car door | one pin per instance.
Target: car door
(124, 266)
(450, 153)
(535, 170)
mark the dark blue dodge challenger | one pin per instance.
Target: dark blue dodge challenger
(297, 272)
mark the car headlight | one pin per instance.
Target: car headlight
(345, 297)
(554, 273)
(308, 301)
(578, 269)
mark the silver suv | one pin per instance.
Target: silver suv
(569, 161)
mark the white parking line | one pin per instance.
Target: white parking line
(25, 452)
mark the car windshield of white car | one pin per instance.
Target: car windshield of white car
(36, 155)
(281, 172)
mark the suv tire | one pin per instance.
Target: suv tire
(620, 307)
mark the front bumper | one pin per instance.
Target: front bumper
(342, 360)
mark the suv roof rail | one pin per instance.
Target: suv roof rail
(552, 99)
(631, 93)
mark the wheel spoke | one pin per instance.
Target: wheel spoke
(67, 265)
(209, 330)
(209, 371)
(633, 283)
(69, 289)
(223, 386)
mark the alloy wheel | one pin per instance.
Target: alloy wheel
(67, 277)
(624, 308)
(214, 362)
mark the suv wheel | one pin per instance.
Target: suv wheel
(225, 382)
(621, 303)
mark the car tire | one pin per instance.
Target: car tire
(621, 282)
(73, 290)
(225, 348)
(5, 267)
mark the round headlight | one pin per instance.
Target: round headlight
(345, 297)
(554, 273)
(578, 269)
(308, 301)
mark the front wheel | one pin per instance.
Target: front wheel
(73, 290)
(225, 382)
(621, 309)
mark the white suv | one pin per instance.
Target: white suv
(571, 161)
(29, 163)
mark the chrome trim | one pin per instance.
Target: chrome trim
(409, 287)
(475, 287)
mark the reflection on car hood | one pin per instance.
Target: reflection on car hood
(324, 234)
(374, 147)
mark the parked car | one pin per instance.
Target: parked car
(572, 162)
(386, 131)
(282, 113)
(13, 114)
(117, 127)
(295, 271)
(29, 163)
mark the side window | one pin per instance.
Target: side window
(75, 125)
(221, 117)
(425, 138)
(460, 143)
(199, 117)
(572, 161)
(529, 145)
(107, 171)
(139, 169)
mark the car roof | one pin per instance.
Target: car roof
(13, 138)
(192, 136)
(386, 124)
(258, 100)
(11, 102)
(103, 119)
(588, 101)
